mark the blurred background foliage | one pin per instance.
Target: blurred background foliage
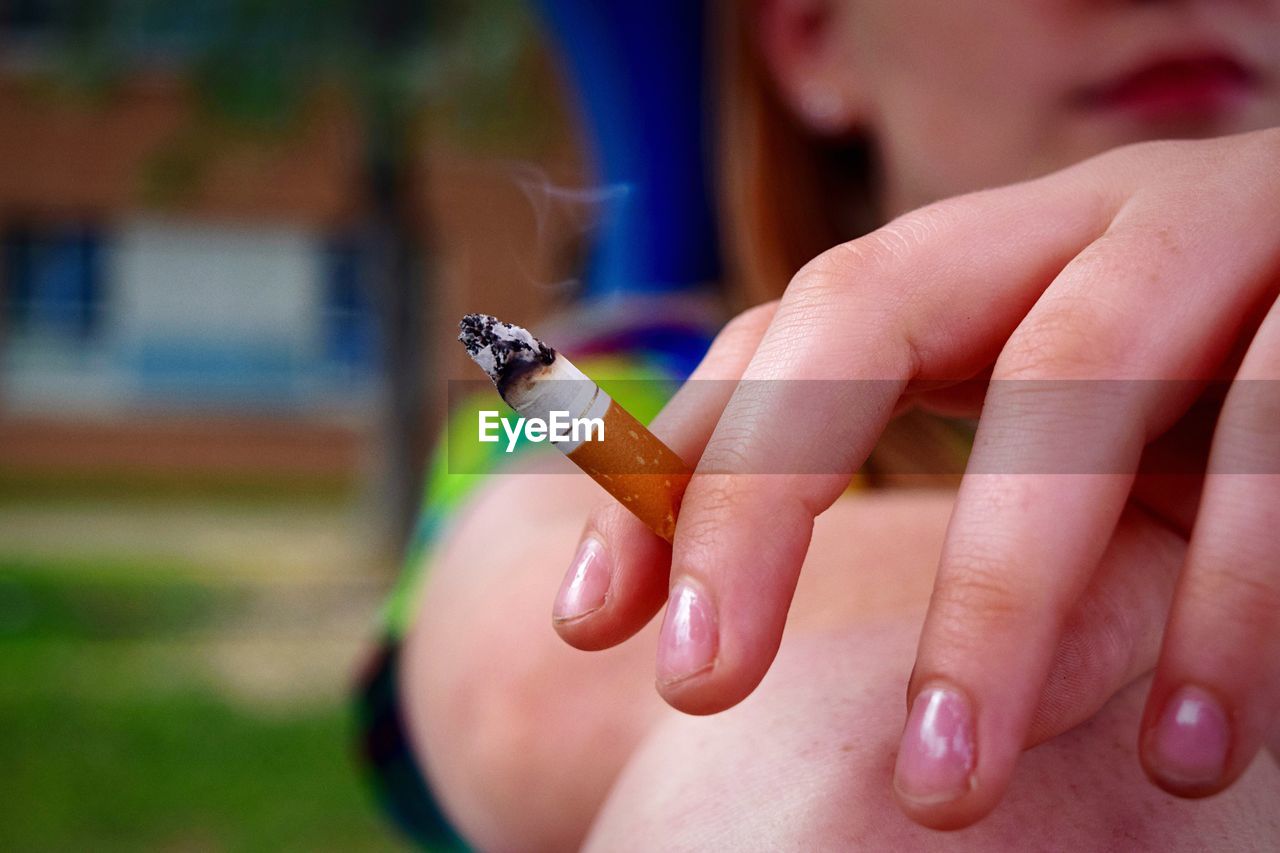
(176, 657)
(256, 65)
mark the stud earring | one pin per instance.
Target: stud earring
(823, 106)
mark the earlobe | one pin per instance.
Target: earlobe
(811, 69)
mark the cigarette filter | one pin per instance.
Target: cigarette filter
(645, 475)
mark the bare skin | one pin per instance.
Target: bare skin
(1153, 305)
(803, 764)
(532, 745)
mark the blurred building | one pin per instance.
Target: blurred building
(179, 299)
(161, 322)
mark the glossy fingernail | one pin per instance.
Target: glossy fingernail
(586, 584)
(1188, 746)
(687, 643)
(937, 755)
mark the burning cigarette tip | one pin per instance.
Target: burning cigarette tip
(500, 348)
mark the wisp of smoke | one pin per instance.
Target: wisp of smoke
(565, 219)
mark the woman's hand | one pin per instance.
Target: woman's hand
(1091, 307)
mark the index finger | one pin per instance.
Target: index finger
(932, 295)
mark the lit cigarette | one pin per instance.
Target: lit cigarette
(645, 475)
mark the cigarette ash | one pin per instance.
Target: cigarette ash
(502, 350)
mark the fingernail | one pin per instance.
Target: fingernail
(936, 757)
(687, 643)
(585, 584)
(1188, 746)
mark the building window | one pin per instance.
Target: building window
(53, 283)
(351, 340)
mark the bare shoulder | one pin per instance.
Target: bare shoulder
(873, 553)
(521, 735)
(805, 763)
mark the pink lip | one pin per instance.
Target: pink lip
(1190, 84)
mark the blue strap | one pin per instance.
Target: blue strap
(638, 70)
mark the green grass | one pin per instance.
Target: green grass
(27, 488)
(111, 740)
(104, 600)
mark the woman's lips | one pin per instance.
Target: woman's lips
(1183, 86)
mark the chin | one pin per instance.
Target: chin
(1125, 128)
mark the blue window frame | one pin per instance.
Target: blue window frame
(53, 282)
(351, 338)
